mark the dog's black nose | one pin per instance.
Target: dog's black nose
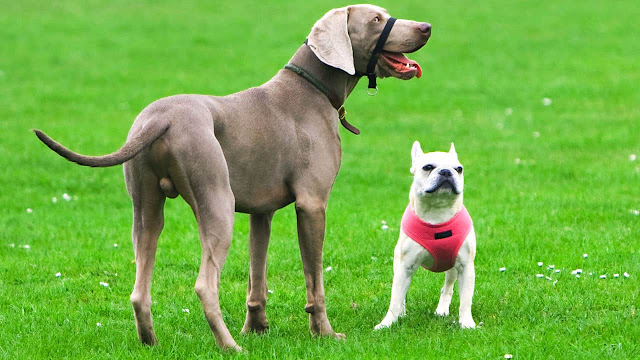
(424, 27)
(445, 173)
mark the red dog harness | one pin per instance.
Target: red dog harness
(443, 240)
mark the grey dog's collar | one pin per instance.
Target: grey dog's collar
(333, 98)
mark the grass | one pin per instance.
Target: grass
(82, 71)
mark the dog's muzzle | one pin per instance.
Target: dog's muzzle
(444, 181)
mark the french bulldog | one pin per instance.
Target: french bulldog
(436, 233)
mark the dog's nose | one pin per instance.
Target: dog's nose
(424, 27)
(445, 172)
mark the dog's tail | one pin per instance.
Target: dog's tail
(131, 148)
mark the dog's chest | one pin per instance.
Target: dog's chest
(442, 241)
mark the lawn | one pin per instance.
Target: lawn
(546, 181)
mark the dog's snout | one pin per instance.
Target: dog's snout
(424, 27)
(445, 172)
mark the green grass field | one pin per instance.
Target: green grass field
(543, 183)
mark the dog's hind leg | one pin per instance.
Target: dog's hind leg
(446, 293)
(148, 203)
(202, 178)
(259, 232)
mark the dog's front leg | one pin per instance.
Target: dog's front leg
(446, 293)
(259, 232)
(404, 267)
(311, 229)
(467, 284)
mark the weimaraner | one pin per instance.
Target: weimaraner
(254, 152)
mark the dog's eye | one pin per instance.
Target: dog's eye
(459, 169)
(376, 19)
(428, 167)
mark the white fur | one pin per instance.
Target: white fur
(435, 207)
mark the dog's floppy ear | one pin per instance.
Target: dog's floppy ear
(416, 152)
(329, 40)
(452, 150)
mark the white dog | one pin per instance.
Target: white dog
(436, 233)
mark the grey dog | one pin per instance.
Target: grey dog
(254, 152)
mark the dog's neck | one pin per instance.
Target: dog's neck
(435, 209)
(336, 80)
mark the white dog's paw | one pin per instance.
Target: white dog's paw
(383, 325)
(380, 326)
(442, 311)
(467, 323)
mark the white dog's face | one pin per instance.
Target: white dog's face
(436, 173)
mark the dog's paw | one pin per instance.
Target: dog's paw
(467, 323)
(442, 312)
(340, 336)
(380, 326)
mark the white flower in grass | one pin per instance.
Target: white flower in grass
(25, 246)
(508, 356)
(546, 101)
(576, 272)
(540, 263)
(385, 227)
(98, 324)
(634, 212)
(66, 197)
(115, 245)
(584, 255)
(383, 222)
(12, 245)
(58, 274)
(185, 311)
(616, 275)
(626, 274)
(548, 278)
(329, 268)
(557, 271)
(503, 269)
(551, 267)
(270, 291)
(517, 161)
(104, 284)
(603, 276)
(539, 276)
(54, 200)
(29, 210)
(632, 157)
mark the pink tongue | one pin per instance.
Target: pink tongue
(403, 60)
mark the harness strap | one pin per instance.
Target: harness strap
(376, 52)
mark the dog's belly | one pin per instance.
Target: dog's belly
(254, 197)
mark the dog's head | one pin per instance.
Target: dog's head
(436, 174)
(346, 37)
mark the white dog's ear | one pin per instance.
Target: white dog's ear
(416, 152)
(329, 40)
(452, 150)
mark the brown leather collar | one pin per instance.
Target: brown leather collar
(333, 98)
